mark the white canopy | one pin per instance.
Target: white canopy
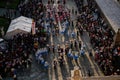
(19, 25)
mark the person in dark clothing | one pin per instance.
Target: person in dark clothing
(75, 44)
(79, 44)
(60, 60)
(89, 73)
(90, 53)
(53, 48)
(54, 63)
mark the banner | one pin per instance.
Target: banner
(33, 28)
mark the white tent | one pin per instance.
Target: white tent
(19, 25)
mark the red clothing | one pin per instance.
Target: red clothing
(61, 18)
(64, 15)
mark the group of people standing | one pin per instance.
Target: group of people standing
(55, 13)
(101, 37)
(16, 58)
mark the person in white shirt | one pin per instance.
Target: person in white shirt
(46, 65)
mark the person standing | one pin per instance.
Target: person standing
(1, 77)
(89, 73)
(79, 44)
(75, 44)
(82, 52)
(64, 2)
(55, 63)
(46, 65)
(15, 77)
(53, 48)
(76, 57)
(72, 10)
(60, 60)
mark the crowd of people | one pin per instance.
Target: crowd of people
(47, 18)
(53, 15)
(101, 37)
(90, 19)
(37, 11)
(17, 56)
